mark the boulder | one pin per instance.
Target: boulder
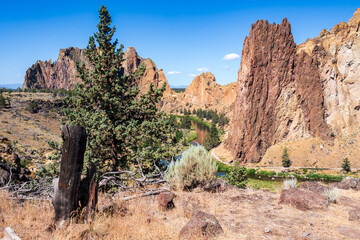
(314, 186)
(165, 200)
(216, 185)
(347, 183)
(303, 199)
(201, 225)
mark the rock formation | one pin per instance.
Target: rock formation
(279, 93)
(337, 53)
(58, 74)
(203, 93)
(62, 73)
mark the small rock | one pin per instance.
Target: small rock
(201, 225)
(354, 215)
(165, 200)
(266, 230)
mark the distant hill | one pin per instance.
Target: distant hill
(11, 86)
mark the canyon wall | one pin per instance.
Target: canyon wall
(279, 94)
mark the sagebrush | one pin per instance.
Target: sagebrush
(195, 168)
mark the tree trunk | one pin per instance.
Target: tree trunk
(66, 196)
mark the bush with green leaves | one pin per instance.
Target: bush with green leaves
(285, 159)
(195, 168)
(123, 127)
(346, 165)
(237, 176)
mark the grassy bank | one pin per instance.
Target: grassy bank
(255, 173)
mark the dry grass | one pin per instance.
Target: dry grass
(243, 214)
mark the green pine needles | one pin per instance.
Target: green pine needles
(124, 129)
(285, 159)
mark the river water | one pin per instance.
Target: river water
(202, 131)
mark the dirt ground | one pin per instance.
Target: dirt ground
(243, 214)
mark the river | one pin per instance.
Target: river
(202, 131)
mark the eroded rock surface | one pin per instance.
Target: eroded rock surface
(279, 93)
(303, 199)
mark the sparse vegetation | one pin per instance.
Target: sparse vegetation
(179, 90)
(2, 101)
(195, 168)
(290, 183)
(33, 107)
(332, 194)
(237, 176)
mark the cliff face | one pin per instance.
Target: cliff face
(58, 74)
(62, 73)
(337, 53)
(205, 93)
(279, 93)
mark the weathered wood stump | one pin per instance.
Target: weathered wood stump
(66, 189)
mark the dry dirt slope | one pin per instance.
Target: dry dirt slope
(243, 214)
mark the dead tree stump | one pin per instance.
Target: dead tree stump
(66, 190)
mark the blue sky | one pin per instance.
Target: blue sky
(183, 38)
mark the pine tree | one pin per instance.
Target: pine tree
(123, 127)
(213, 139)
(346, 165)
(286, 162)
(2, 101)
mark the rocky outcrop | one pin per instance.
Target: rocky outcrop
(303, 199)
(58, 74)
(337, 53)
(10, 166)
(279, 93)
(205, 93)
(62, 73)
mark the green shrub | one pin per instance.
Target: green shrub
(251, 172)
(286, 162)
(2, 101)
(193, 169)
(237, 176)
(346, 165)
(32, 107)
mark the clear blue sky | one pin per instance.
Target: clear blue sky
(182, 37)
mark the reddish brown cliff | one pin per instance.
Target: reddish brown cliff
(279, 93)
(62, 73)
(58, 74)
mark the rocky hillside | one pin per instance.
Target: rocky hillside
(205, 93)
(287, 92)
